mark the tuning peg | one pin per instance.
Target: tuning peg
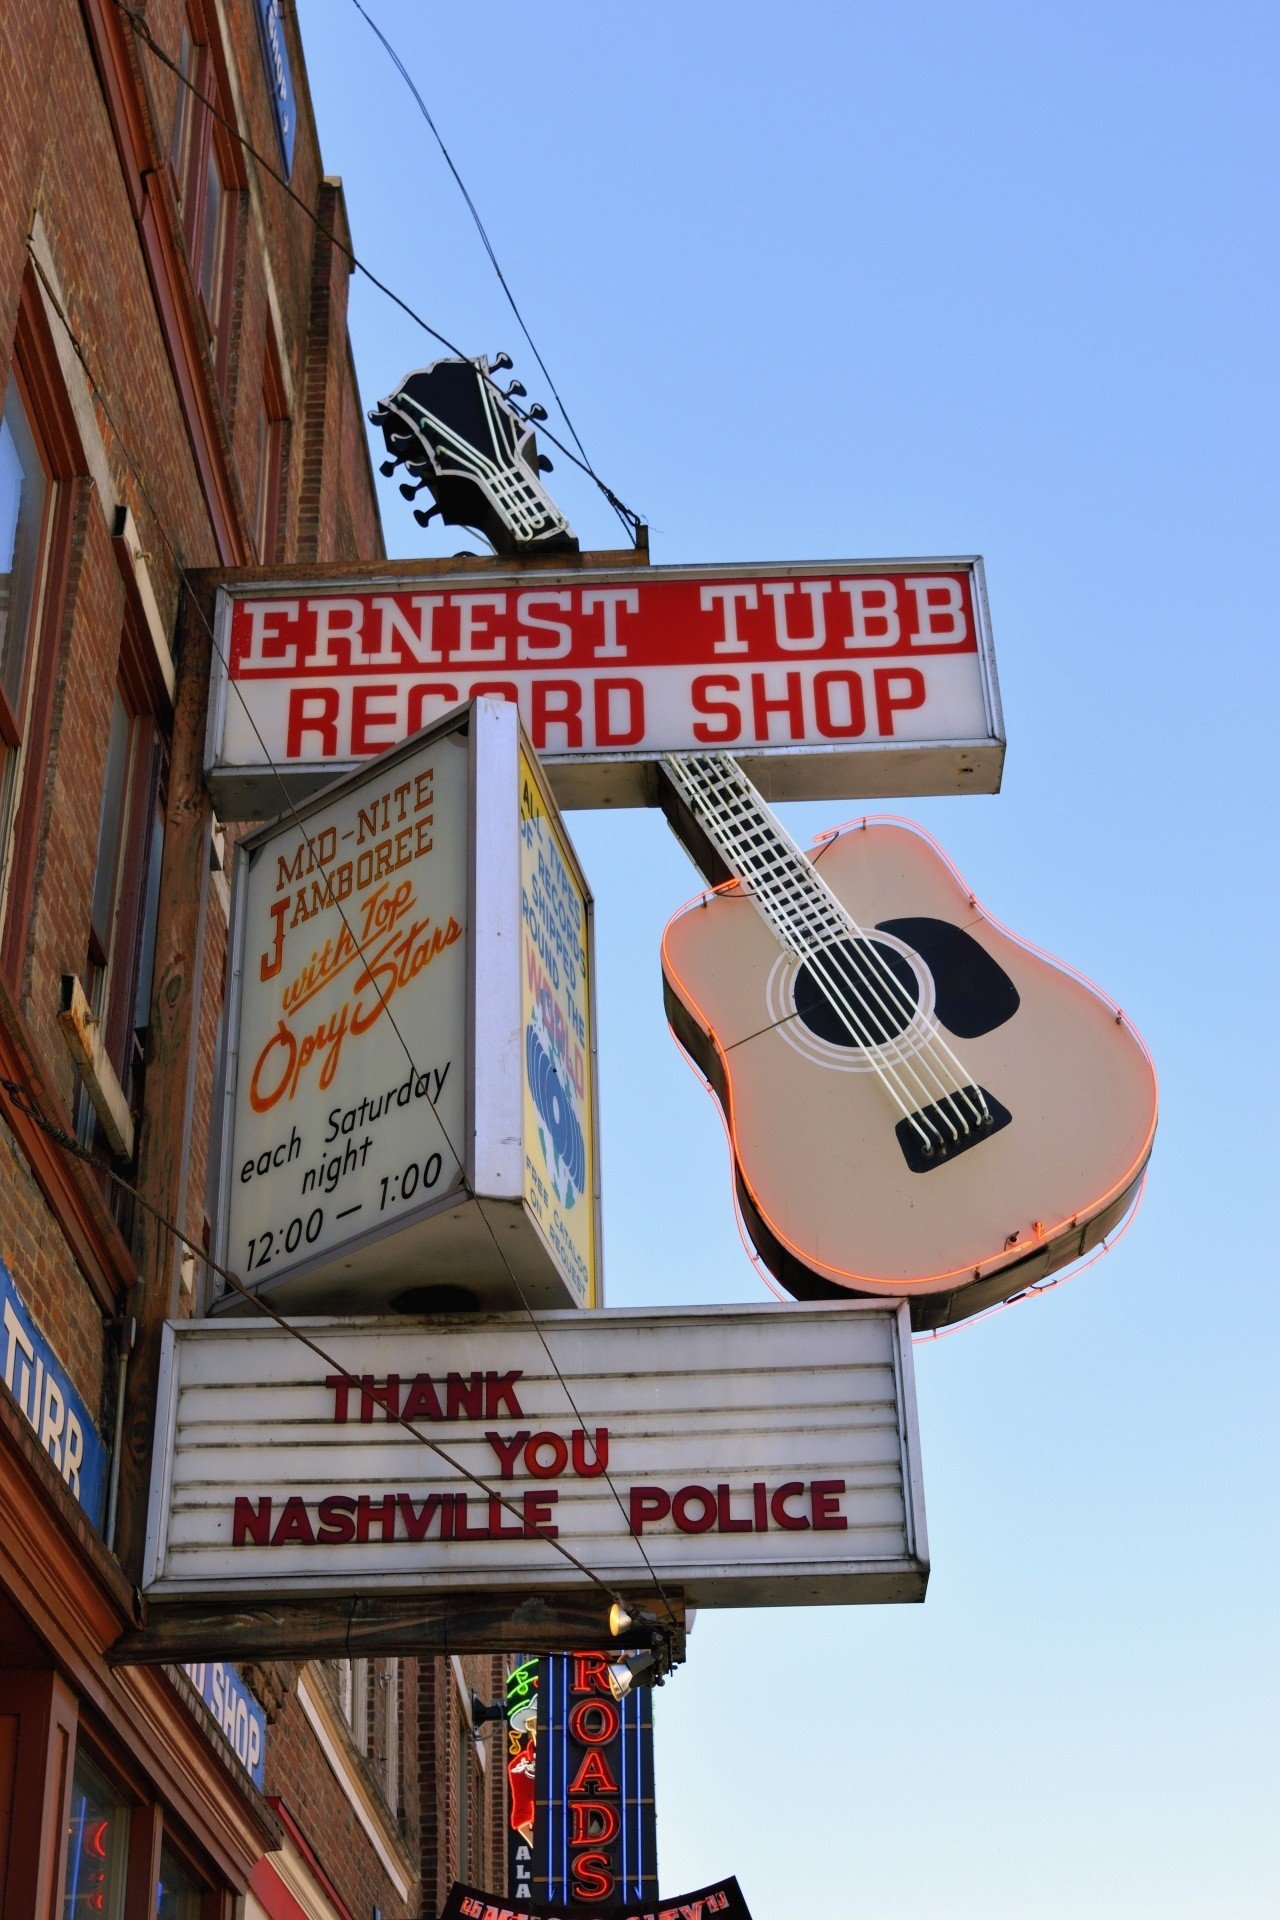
(545, 465)
(500, 363)
(424, 519)
(387, 468)
(517, 389)
(537, 411)
(409, 492)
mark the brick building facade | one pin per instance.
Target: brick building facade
(178, 393)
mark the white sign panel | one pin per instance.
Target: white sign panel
(346, 1103)
(835, 678)
(374, 1096)
(762, 1456)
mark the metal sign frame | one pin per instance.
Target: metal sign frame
(623, 776)
(492, 1159)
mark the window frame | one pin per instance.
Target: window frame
(198, 143)
(35, 369)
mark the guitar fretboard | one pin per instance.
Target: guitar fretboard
(790, 894)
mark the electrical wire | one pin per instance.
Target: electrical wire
(291, 809)
(138, 22)
(474, 211)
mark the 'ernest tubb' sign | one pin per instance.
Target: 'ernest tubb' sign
(823, 678)
(760, 1456)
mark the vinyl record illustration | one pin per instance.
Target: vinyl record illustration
(562, 1142)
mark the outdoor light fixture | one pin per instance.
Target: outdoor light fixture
(482, 1711)
(623, 1674)
(619, 1619)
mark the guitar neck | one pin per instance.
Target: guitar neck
(760, 853)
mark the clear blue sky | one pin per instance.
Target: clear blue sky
(828, 280)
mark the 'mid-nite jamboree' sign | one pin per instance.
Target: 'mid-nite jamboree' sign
(409, 1103)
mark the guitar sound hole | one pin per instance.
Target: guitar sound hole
(843, 997)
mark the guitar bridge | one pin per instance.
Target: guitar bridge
(940, 1120)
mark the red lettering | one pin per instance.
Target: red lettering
(336, 1514)
(379, 1393)
(850, 699)
(910, 679)
(759, 1496)
(790, 1522)
(791, 703)
(341, 1384)
(497, 1531)
(600, 1457)
(507, 1450)
(686, 1517)
(592, 1879)
(726, 711)
(383, 1515)
(594, 1721)
(593, 1822)
(294, 1524)
(591, 1673)
(647, 1504)
(593, 1771)
(464, 1399)
(500, 1394)
(556, 703)
(559, 1456)
(537, 1516)
(365, 717)
(724, 1521)
(417, 1520)
(251, 1521)
(421, 1401)
(313, 710)
(608, 695)
(824, 1505)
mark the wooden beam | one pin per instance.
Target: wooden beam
(411, 1623)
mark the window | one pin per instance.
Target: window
(369, 1696)
(120, 943)
(273, 423)
(178, 1892)
(24, 504)
(97, 1848)
(206, 181)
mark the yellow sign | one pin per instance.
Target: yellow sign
(555, 1007)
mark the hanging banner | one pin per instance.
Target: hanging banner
(760, 1456)
(595, 1835)
(723, 1901)
(825, 679)
(410, 981)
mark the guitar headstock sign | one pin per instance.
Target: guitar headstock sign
(823, 679)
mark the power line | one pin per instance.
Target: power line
(291, 809)
(137, 21)
(474, 211)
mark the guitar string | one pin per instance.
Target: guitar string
(837, 924)
(772, 906)
(739, 802)
(836, 929)
(835, 912)
(885, 1072)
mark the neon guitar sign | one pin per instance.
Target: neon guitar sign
(919, 1103)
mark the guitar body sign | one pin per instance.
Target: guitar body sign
(919, 1104)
